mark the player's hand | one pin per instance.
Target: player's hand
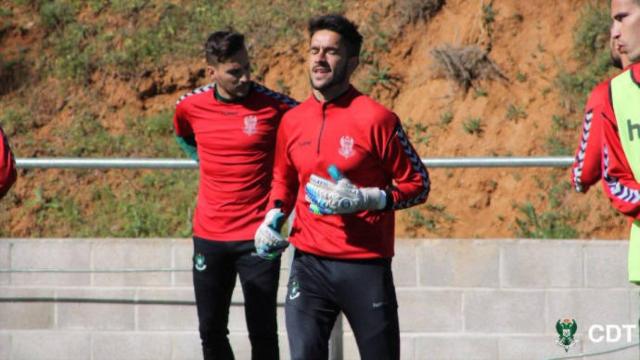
(268, 241)
(340, 196)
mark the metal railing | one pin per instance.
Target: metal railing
(336, 346)
(159, 163)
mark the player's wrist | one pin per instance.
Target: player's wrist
(376, 199)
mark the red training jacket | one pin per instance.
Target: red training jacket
(619, 183)
(586, 169)
(367, 143)
(235, 142)
(8, 173)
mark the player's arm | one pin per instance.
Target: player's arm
(8, 172)
(411, 184)
(399, 159)
(185, 137)
(269, 242)
(284, 186)
(188, 145)
(618, 182)
(586, 169)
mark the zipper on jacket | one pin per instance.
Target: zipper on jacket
(321, 128)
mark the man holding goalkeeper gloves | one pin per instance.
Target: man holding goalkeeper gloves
(345, 164)
(230, 127)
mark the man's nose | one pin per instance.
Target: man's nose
(615, 29)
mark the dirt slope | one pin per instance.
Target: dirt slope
(528, 41)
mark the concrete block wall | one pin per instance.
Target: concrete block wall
(458, 299)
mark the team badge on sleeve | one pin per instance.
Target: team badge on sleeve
(346, 146)
(250, 124)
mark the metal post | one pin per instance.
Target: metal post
(335, 343)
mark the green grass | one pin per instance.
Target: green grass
(591, 51)
(480, 92)
(515, 113)
(138, 204)
(473, 126)
(81, 44)
(417, 132)
(426, 217)
(446, 118)
(521, 76)
(545, 225)
(555, 220)
(81, 47)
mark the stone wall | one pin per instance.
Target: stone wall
(459, 299)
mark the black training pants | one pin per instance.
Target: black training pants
(216, 264)
(319, 288)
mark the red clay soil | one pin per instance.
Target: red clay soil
(528, 38)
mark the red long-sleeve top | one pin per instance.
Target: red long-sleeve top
(8, 172)
(235, 144)
(586, 169)
(368, 145)
(620, 185)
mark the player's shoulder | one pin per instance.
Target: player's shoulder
(632, 71)
(599, 95)
(195, 94)
(302, 109)
(372, 110)
(274, 97)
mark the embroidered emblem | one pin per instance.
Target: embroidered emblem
(199, 262)
(294, 291)
(346, 146)
(250, 124)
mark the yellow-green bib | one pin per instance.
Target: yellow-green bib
(625, 95)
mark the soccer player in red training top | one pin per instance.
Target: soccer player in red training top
(230, 127)
(343, 230)
(621, 128)
(7, 165)
(586, 170)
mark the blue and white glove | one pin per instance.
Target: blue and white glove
(340, 196)
(268, 241)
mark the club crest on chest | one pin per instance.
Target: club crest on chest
(250, 124)
(346, 146)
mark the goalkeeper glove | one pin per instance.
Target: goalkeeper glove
(340, 196)
(268, 241)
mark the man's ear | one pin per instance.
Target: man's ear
(211, 72)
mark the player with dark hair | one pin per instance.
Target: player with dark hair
(230, 127)
(345, 164)
(8, 173)
(586, 169)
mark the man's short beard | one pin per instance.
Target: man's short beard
(339, 78)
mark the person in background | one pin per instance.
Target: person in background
(8, 174)
(586, 170)
(621, 128)
(230, 127)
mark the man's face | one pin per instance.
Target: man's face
(329, 62)
(626, 27)
(233, 76)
